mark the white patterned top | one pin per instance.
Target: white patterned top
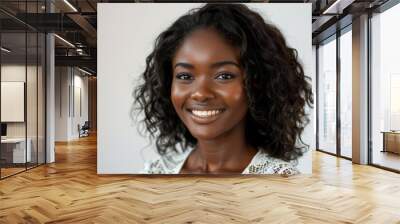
(262, 163)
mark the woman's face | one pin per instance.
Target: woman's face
(208, 85)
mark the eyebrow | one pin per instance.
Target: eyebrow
(214, 65)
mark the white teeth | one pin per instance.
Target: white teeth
(208, 113)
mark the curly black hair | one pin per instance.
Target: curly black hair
(276, 86)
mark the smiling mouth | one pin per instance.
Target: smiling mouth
(206, 113)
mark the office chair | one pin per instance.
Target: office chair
(84, 130)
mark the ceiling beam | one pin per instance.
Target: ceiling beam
(84, 61)
(84, 24)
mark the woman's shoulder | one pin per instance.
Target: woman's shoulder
(169, 163)
(262, 163)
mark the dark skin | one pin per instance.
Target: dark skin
(209, 97)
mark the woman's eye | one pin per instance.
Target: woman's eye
(225, 76)
(184, 76)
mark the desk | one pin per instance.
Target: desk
(15, 148)
(391, 141)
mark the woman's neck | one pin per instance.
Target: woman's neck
(225, 154)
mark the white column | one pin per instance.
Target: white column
(50, 100)
(63, 101)
(50, 92)
(360, 90)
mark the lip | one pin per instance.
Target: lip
(204, 120)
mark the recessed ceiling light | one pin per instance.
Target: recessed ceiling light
(64, 40)
(84, 71)
(5, 50)
(70, 5)
(337, 7)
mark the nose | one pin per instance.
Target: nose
(202, 91)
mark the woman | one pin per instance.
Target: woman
(223, 93)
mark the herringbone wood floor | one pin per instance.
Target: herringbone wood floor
(70, 191)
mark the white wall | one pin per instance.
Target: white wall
(16, 72)
(12, 100)
(61, 103)
(9, 74)
(79, 117)
(68, 81)
(314, 89)
(124, 41)
(33, 126)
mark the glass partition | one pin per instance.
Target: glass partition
(41, 91)
(14, 153)
(22, 78)
(32, 95)
(346, 93)
(385, 89)
(327, 96)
